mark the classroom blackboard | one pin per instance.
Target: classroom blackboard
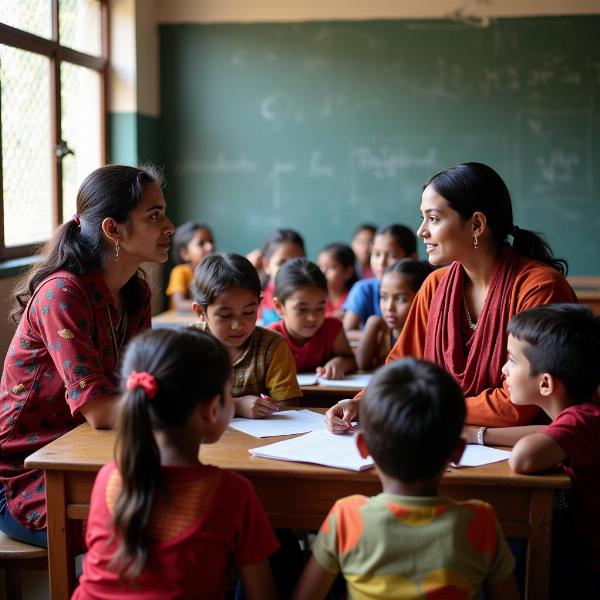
(322, 125)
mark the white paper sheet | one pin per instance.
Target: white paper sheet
(286, 422)
(475, 455)
(318, 447)
(306, 378)
(357, 381)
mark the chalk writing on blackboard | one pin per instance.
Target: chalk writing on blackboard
(275, 180)
(318, 168)
(220, 164)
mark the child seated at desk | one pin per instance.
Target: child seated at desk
(408, 542)
(226, 297)
(337, 261)
(554, 363)
(362, 244)
(391, 243)
(399, 286)
(161, 523)
(191, 243)
(317, 342)
(281, 246)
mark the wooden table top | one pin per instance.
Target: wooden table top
(86, 449)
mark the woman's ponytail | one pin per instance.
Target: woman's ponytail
(138, 462)
(533, 245)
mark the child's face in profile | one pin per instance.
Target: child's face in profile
(386, 251)
(284, 252)
(396, 297)
(226, 409)
(335, 272)
(201, 245)
(522, 386)
(304, 312)
(231, 317)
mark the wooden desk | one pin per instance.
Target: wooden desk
(321, 396)
(588, 291)
(173, 319)
(295, 495)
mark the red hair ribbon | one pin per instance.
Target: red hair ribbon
(144, 380)
(76, 218)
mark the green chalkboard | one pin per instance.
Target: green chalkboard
(320, 126)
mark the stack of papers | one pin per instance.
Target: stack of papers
(318, 447)
(287, 422)
(358, 381)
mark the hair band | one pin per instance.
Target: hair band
(76, 218)
(143, 380)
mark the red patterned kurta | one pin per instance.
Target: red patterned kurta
(62, 356)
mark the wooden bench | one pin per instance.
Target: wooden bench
(16, 556)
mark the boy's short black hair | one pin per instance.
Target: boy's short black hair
(563, 340)
(412, 415)
(295, 274)
(219, 272)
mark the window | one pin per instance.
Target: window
(53, 70)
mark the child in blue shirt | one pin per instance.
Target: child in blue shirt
(391, 244)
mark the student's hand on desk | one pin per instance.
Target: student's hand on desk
(255, 407)
(334, 369)
(338, 417)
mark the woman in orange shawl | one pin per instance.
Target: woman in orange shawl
(459, 317)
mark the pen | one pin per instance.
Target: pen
(265, 397)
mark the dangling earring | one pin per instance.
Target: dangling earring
(475, 241)
(117, 251)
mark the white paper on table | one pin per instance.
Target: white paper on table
(286, 422)
(475, 455)
(357, 381)
(318, 447)
(307, 378)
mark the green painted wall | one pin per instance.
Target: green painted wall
(133, 138)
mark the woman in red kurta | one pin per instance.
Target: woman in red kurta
(76, 309)
(459, 316)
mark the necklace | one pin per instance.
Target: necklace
(472, 324)
(121, 329)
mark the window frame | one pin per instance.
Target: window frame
(56, 53)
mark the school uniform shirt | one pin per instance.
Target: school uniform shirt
(334, 309)
(207, 517)
(577, 431)
(267, 313)
(180, 280)
(396, 547)
(315, 351)
(265, 367)
(63, 355)
(363, 299)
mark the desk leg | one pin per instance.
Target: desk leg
(537, 581)
(61, 563)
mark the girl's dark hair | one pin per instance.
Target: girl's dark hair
(472, 187)
(219, 272)
(183, 236)
(344, 254)
(404, 237)
(112, 191)
(280, 236)
(414, 271)
(171, 357)
(365, 227)
(295, 274)
(406, 405)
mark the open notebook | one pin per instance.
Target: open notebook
(358, 380)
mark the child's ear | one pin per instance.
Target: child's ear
(278, 306)
(458, 451)
(199, 310)
(547, 385)
(209, 410)
(361, 444)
